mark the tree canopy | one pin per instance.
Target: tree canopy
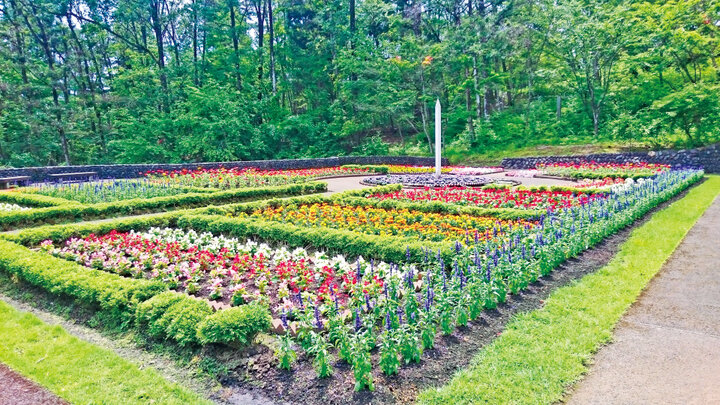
(93, 81)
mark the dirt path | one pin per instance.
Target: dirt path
(18, 390)
(666, 349)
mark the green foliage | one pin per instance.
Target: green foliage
(335, 240)
(216, 91)
(79, 212)
(78, 371)
(236, 326)
(285, 353)
(113, 294)
(173, 316)
(542, 353)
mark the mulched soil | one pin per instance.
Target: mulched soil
(253, 376)
(18, 390)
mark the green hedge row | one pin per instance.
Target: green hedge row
(356, 198)
(444, 208)
(60, 233)
(77, 212)
(379, 169)
(33, 200)
(114, 294)
(147, 304)
(350, 243)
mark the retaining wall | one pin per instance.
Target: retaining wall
(136, 170)
(707, 157)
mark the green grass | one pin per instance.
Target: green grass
(543, 352)
(77, 371)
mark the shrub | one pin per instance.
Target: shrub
(111, 293)
(235, 326)
(172, 316)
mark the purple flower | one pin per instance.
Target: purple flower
(399, 314)
(358, 321)
(318, 321)
(283, 319)
(407, 253)
(367, 303)
(388, 323)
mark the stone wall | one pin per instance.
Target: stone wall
(707, 157)
(136, 170)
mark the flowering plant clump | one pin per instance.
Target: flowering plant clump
(12, 207)
(495, 198)
(522, 173)
(389, 222)
(229, 270)
(605, 183)
(408, 169)
(246, 177)
(476, 171)
(107, 190)
(593, 170)
(438, 295)
(351, 308)
(429, 180)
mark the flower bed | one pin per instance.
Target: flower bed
(427, 226)
(5, 207)
(475, 171)
(495, 198)
(428, 180)
(249, 177)
(522, 173)
(593, 170)
(407, 169)
(107, 190)
(226, 270)
(369, 315)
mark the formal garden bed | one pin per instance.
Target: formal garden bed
(428, 180)
(356, 287)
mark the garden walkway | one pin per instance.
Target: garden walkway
(18, 390)
(666, 348)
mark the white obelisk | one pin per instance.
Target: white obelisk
(438, 143)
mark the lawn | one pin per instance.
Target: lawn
(543, 352)
(77, 371)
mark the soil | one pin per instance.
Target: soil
(18, 390)
(666, 349)
(255, 378)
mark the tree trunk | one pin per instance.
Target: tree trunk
(259, 7)
(236, 46)
(271, 31)
(558, 107)
(468, 109)
(155, 14)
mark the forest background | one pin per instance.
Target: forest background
(131, 81)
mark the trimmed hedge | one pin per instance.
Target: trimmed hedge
(147, 304)
(33, 200)
(352, 244)
(109, 292)
(378, 169)
(76, 211)
(357, 198)
(235, 326)
(173, 316)
(60, 233)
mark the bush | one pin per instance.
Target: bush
(172, 316)
(235, 326)
(111, 293)
(74, 211)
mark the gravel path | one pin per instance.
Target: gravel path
(666, 349)
(18, 390)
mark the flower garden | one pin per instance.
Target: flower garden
(348, 287)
